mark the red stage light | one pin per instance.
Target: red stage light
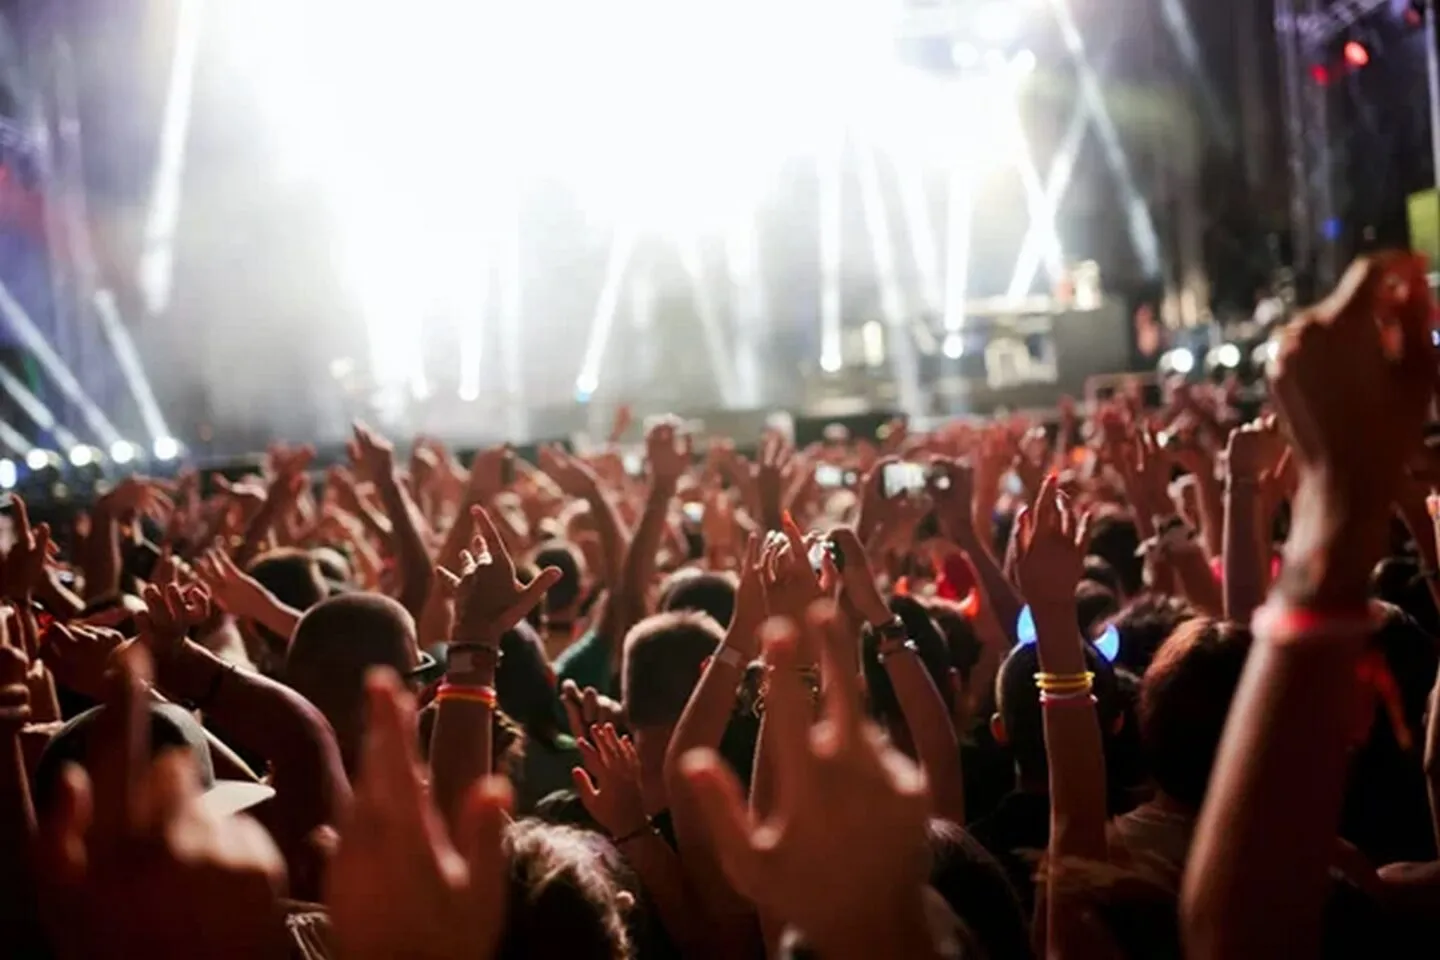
(1320, 74)
(1355, 54)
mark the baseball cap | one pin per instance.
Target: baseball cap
(171, 726)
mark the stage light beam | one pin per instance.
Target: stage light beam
(893, 308)
(622, 246)
(832, 182)
(158, 254)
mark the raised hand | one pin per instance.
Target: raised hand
(571, 474)
(859, 595)
(1254, 450)
(451, 903)
(1355, 374)
(1051, 548)
(138, 496)
(80, 656)
(952, 490)
(588, 708)
(609, 783)
(170, 614)
(842, 857)
(23, 568)
(488, 598)
(791, 584)
(372, 454)
(667, 450)
(130, 847)
(770, 476)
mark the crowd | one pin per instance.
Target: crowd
(1145, 683)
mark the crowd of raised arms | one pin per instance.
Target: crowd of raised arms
(1151, 685)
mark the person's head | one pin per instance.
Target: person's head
(1019, 722)
(1184, 699)
(930, 646)
(294, 576)
(568, 895)
(961, 640)
(1145, 623)
(663, 656)
(334, 569)
(171, 728)
(1114, 538)
(336, 644)
(699, 592)
(975, 887)
(1397, 580)
(1094, 604)
(562, 600)
(525, 683)
(1098, 571)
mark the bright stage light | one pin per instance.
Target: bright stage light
(1180, 360)
(954, 346)
(123, 451)
(38, 459)
(8, 475)
(167, 448)
(82, 456)
(1227, 355)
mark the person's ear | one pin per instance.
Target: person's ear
(998, 731)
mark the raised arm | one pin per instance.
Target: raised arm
(575, 478)
(280, 498)
(1248, 455)
(952, 487)
(18, 909)
(1355, 377)
(375, 456)
(257, 715)
(668, 454)
(1051, 554)
(489, 600)
(702, 725)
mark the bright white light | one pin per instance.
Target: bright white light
(82, 456)
(1023, 63)
(1228, 356)
(998, 21)
(123, 451)
(830, 363)
(8, 476)
(954, 346)
(167, 448)
(38, 459)
(872, 339)
(342, 367)
(1179, 360)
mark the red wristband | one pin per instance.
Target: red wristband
(1282, 623)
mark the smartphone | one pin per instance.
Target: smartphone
(507, 467)
(818, 551)
(903, 479)
(939, 478)
(634, 464)
(694, 512)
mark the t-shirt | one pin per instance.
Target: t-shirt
(1157, 838)
(546, 768)
(587, 662)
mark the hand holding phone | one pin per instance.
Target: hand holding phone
(903, 479)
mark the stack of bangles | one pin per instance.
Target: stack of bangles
(468, 694)
(1060, 689)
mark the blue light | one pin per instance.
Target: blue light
(1331, 228)
(582, 396)
(1108, 643)
(1025, 626)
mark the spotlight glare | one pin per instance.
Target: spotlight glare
(1356, 54)
(82, 456)
(1180, 360)
(1023, 63)
(122, 451)
(830, 362)
(8, 477)
(1228, 356)
(167, 448)
(954, 346)
(38, 459)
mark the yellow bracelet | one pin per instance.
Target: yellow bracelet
(1065, 683)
